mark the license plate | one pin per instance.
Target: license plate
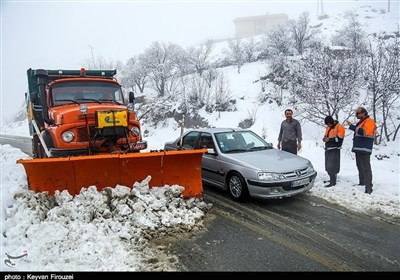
(300, 182)
(138, 146)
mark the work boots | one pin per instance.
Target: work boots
(332, 181)
(368, 190)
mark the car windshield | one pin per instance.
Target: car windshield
(86, 92)
(240, 141)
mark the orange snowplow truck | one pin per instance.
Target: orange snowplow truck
(84, 134)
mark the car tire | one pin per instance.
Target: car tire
(237, 187)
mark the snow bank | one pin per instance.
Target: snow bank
(107, 230)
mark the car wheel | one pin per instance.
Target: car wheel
(237, 187)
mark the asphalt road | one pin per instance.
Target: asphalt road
(302, 233)
(23, 143)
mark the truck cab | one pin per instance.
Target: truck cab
(80, 112)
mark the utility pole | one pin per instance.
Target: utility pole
(320, 8)
(91, 50)
(388, 6)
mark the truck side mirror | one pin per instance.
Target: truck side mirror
(131, 97)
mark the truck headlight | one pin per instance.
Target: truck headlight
(83, 108)
(67, 136)
(265, 176)
(131, 107)
(135, 130)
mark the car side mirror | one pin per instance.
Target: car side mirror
(211, 151)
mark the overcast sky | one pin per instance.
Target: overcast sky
(57, 35)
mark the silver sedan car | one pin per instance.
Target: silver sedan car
(241, 162)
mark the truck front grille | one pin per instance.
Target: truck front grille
(82, 135)
(89, 117)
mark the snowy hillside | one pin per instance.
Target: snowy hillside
(112, 230)
(268, 116)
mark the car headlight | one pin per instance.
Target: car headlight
(135, 130)
(67, 136)
(265, 176)
(310, 168)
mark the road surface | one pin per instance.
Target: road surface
(302, 233)
(22, 143)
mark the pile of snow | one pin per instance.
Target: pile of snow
(107, 230)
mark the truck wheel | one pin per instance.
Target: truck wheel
(47, 139)
(237, 187)
(37, 148)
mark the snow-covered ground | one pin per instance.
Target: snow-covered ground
(110, 230)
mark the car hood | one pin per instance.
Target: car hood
(272, 160)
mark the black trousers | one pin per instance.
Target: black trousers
(332, 164)
(363, 162)
(290, 146)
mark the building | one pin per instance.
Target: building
(255, 25)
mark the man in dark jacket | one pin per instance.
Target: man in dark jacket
(290, 134)
(363, 141)
(333, 138)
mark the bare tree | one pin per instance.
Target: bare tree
(249, 48)
(382, 75)
(277, 79)
(210, 75)
(326, 83)
(302, 32)
(222, 94)
(278, 39)
(235, 53)
(160, 59)
(351, 35)
(135, 75)
(198, 93)
(199, 57)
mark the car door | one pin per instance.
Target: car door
(210, 162)
(190, 140)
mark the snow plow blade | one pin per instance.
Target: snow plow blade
(74, 173)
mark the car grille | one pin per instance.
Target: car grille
(296, 174)
(82, 133)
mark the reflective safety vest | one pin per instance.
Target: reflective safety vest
(364, 135)
(335, 135)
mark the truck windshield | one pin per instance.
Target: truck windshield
(86, 92)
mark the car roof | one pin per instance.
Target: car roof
(217, 129)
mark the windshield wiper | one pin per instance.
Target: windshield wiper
(110, 100)
(236, 150)
(70, 100)
(260, 148)
(90, 99)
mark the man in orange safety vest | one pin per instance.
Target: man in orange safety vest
(364, 136)
(333, 138)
